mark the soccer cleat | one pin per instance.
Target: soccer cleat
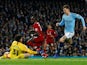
(38, 49)
(44, 55)
(55, 56)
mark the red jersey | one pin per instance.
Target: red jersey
(40, 39)
(37, 27)
(50, 35)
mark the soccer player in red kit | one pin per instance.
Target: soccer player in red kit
(37, 42)
(37, 28)
(50, 38)
(50, 35)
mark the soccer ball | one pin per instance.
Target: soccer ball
(7, 55)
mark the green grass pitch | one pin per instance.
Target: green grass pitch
(48, 61)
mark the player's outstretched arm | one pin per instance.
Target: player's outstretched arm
(61, 23)
(82, 20)
(57, 24)
(84, 28)
(26, 49)
(31, 51)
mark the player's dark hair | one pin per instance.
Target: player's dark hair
(51, 24)
(66, 6)
(17, 38)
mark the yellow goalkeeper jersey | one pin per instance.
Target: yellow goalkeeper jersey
(18, 48)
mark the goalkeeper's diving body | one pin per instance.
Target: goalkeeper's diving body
(68, 19)
(18, 50)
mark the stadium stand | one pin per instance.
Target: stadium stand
(15, 19)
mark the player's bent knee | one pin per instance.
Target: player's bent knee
(61, 40)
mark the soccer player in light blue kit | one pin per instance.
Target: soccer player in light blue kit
(68, 19)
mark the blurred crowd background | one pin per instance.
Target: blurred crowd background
(15, 19)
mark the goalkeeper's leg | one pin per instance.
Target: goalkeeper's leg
(24, 55)
(6, 55)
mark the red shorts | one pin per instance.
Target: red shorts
(49, 41)
(37, 41)
(32, 44)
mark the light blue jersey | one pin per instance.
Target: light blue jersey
(69, 21)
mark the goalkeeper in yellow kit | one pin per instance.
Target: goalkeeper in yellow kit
(18, 49)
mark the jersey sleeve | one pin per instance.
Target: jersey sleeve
(62, 22)
(37, 27)
(31, 51)
(79, 17)
(26, 49)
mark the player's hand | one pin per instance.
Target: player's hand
(84, 28)
(52, 36)
(57, 24)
